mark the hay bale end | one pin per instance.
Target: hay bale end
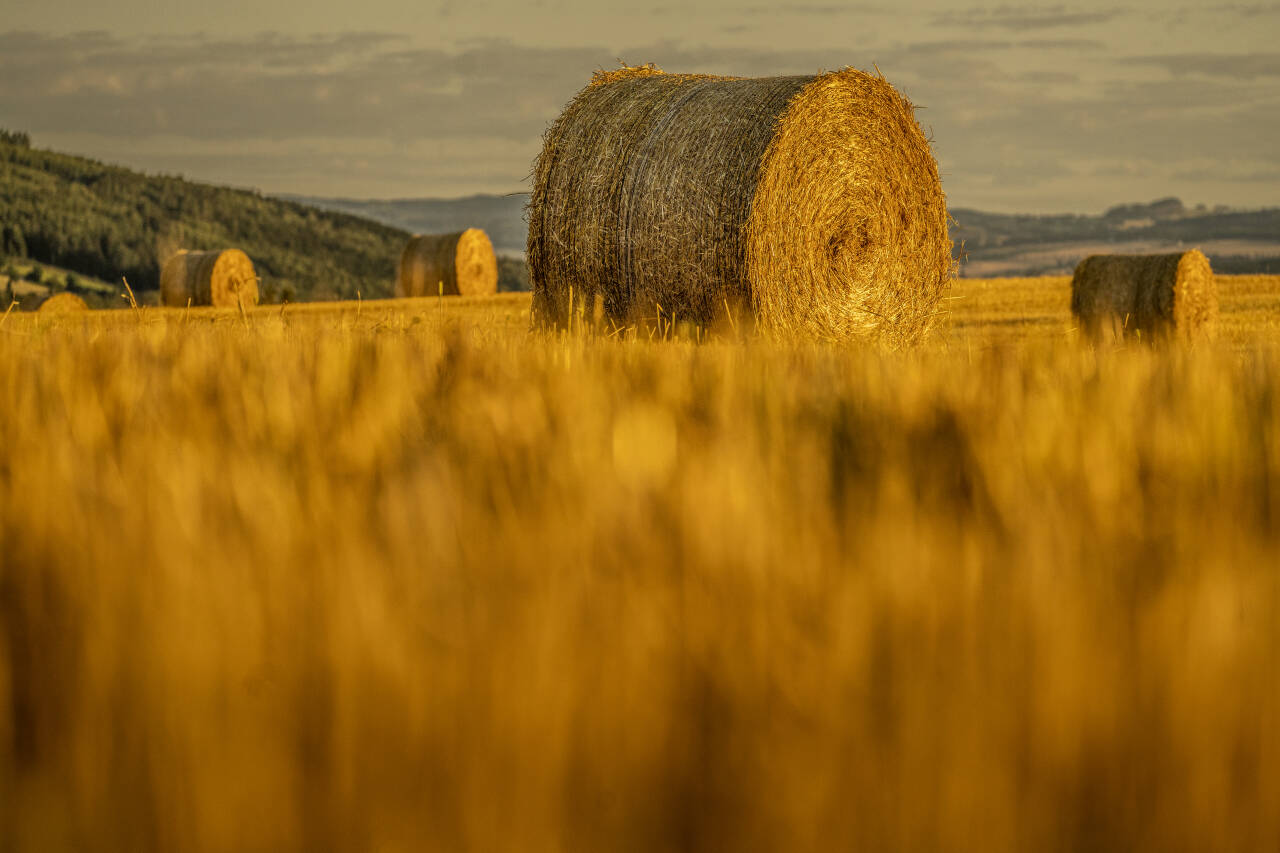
(65, 302)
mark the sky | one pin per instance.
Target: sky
(1039, 108)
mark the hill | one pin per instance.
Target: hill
(106, 222)
(997, 244)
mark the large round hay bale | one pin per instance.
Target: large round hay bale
(63, 303)
(223, 279)
(814, 201)
(1145, 297)
(461, 264)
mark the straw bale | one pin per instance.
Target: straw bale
(62, 303)
(813, 201)
(1145, 297)
(461, 264)
(223, 278)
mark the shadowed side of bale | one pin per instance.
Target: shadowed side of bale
(1145, 297)
(815, 201)
(461, 264)
(64, 302)
(223, 279)
(175, 285)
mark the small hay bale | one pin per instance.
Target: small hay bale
(221, 278)
(65, 302)
(1147, 297)
(814, 201)
(461, 264)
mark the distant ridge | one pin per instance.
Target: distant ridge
(1007, 244)
(501, 216)
(1001, 244)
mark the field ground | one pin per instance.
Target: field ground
(404, 575)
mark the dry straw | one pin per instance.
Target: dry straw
(813, 200)
(461, 264)
(223, 279)
(63, 303)
(1145, 297)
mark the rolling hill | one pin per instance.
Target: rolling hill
(997, 244)
(108, 222)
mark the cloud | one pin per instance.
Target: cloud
(1246, 66)
(819, 9)
(377, 85)
(373, 114)
(356, 85)
(1239, 10)
(1023, 18)
(1245, 172)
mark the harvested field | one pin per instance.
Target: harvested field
(400, 575)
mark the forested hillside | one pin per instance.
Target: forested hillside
(108, 222)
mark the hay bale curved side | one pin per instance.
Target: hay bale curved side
(1146, 297)
(63, 303)
(175, 285)
(464, 263)
(223, 279)
(814, 200)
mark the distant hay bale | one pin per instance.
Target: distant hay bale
(223, 279)
(1150, 297)
(63, 303)
(813, 201)
(461, 264)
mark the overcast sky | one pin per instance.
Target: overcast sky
(1041, 107)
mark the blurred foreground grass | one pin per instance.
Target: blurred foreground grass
(402, 576)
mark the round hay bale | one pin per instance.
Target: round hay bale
(815, 201)
(63, 303)
(1147, 297)
(221, 278)
(461, 264)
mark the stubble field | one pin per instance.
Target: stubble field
(405, 576)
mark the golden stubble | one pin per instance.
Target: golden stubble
(404, 576)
